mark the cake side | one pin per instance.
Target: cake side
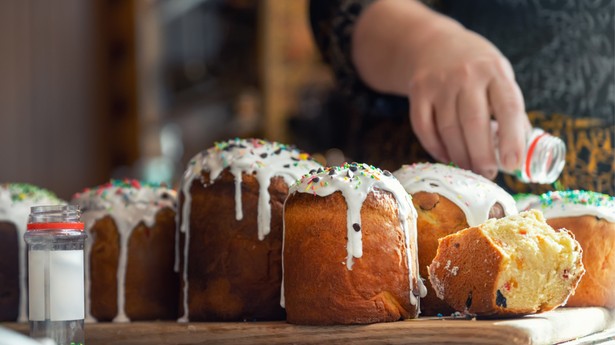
(597, 238)
(437, 218)
(233, 275)
(319, 287)
(591, 217)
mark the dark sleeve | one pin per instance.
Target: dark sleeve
(332, 23)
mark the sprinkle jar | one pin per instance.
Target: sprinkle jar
(55, 242)
(543, 160)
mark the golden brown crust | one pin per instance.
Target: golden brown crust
(151, 257)
(471, 287)
(319, 289)
(9, 272)
(232, 275)
(151, 284)
(104, 260)
(467, 268)
(437, 217)
(597, 239)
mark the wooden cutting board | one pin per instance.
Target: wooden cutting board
(561, 325)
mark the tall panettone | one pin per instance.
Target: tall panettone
(350, 248)
(130, 251)
(231, 229)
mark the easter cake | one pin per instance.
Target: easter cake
(448, 199)
(230, 230)
(350, 248)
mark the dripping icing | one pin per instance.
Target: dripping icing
(355, 181)
(128, 202)
(260, 158)
(472, 193)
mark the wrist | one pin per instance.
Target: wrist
(429, 31)
(389, 36)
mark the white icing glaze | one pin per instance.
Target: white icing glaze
(472, 193)
(575, 203)
(355, 182)
(15, 203)
(260, 158)
(128, 202)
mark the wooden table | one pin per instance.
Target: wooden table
(565, 325)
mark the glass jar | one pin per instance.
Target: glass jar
(55, 241)
(543, 160)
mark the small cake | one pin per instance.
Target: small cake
(591, 217)
(350, 248)
(448, 199)
(231, 228)
(130, 251)
(15, 202)
(510, 266)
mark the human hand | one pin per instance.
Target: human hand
(458, 80)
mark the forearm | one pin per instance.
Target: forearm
(385, 38)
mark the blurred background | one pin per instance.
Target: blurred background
(91, 90)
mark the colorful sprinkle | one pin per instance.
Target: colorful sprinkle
(23, 191)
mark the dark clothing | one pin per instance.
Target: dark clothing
(564, 61)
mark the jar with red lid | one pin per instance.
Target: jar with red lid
(55, 241)
(543, 159)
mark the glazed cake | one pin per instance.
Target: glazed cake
(350, 248)
(15, 202)
(129, 251)
(511, 266)
(591, 217)
(448, 199)
(231, 229)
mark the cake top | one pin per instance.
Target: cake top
(472, 193)
(357, 177)
(573, 203)
(252, 156)
(24, 193)
(17, 198)
(355, 181)
(117, 195)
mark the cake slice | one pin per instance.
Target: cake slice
(507, 267)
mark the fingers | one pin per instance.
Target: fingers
(450, 128)
(451, 115)
(422, 121)
(508, 107)
(473, 109)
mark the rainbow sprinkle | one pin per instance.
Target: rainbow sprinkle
(578, 197)
(24, 191)
(121, 185)
(354, 173)
(239, 148)
(124, 192)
